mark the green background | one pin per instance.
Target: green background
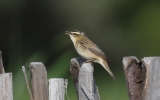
(33, 31)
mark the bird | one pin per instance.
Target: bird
(89, 50)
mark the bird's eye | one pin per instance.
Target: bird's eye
(74, 34)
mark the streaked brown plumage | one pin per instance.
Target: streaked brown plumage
(88, 50)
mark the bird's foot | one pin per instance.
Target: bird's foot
(88, 61)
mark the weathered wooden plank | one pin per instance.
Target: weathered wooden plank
(56, 89)
(86, 82)
(75, 65)
(6, 92)
(142, 78)
(133, 74)
(1, 64)
(86, 88)
(39, 81)
(151, 89)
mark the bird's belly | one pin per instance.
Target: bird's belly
(85, 54)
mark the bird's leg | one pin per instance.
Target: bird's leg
(88, 61)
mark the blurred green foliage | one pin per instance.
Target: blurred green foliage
(33, 31)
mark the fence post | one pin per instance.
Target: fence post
(39, 81)
(56, 89)
(151, 89)
(142, 77)
(82, 76)
(6, 91)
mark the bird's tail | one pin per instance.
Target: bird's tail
(106, 67)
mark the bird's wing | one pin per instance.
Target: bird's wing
(96, 50)
(93, 48)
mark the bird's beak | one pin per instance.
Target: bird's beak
(67, 32)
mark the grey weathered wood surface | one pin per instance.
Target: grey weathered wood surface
(1, 64)
(151, 89)
(86, 82)
(142, 77)
(39, 81)
(82, 75)
(56, 89)
(6, 92)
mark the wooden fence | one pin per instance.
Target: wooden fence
(142, 78)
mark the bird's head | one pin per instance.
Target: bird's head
(75, 35)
